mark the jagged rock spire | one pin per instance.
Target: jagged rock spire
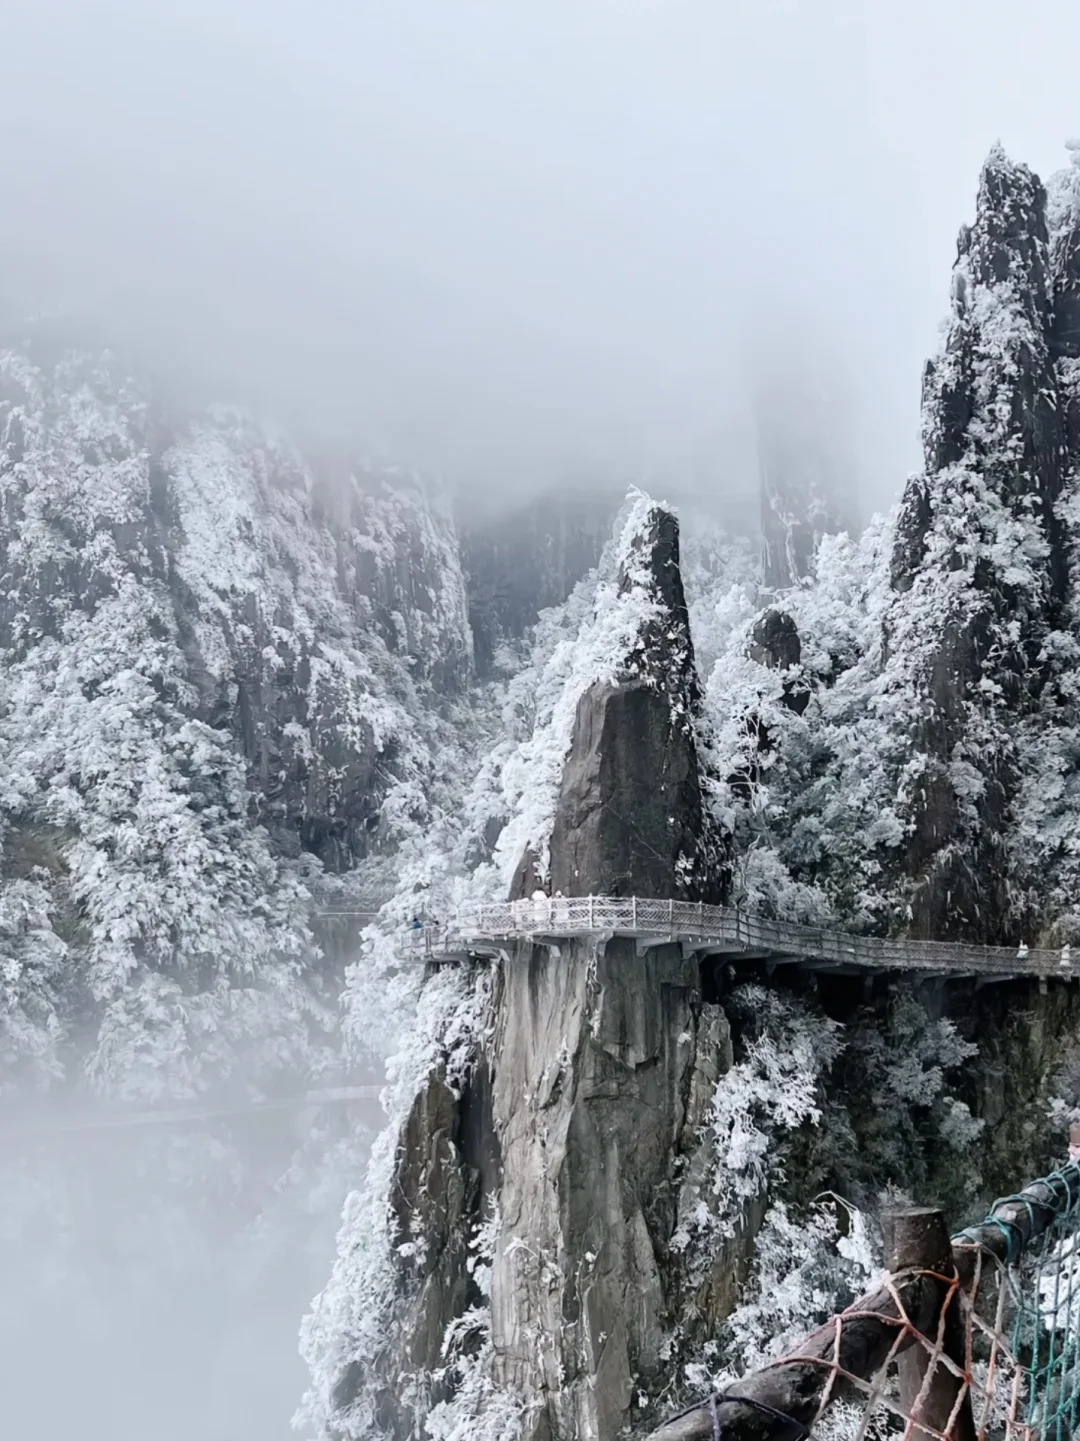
(631, 816)
(989, 397)
(979, 560)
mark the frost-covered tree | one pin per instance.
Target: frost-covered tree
(218, 671)
(797, 742)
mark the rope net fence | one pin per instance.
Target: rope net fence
(1021, 1315)
(974, 1337)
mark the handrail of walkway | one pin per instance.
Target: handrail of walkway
(724, 927)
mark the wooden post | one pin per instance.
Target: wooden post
(867, 1332)
(671, 917)
(1074, 1142)
(633, 913)
(918, 1240)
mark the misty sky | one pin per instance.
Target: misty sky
(520, 238)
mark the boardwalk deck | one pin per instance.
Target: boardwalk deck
(719, 930)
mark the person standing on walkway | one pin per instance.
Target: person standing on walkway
(541, 910)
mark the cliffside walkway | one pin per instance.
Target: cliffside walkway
(720, 930)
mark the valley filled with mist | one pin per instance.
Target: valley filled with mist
(458, 454)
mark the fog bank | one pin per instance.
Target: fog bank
(513, 240)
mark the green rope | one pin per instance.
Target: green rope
(1042, 1305)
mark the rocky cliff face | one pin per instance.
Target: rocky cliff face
(589, 1088)
(596, 1047)
(602, 1061)
(980, 562)
(593, 1141)
(226, 670)
(217, 660)
(924, 781)
(631, 819)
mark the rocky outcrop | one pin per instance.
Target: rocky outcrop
(595, 1104)
(279, 576)
(596, 1070)
(775, 644)
(323, 735)
(1063, 209)
(1064, 226)
(597, 1047)
(631, 817)
(445, 1177)
(979, 566)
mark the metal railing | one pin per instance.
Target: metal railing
(723, 928)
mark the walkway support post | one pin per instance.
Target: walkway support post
(633, 912)
(931, 1393)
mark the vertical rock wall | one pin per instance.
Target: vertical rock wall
(594, 1067)
(632, 818)
(979, 566)
(595, 1047)
(594, 1074)
(596, 1050)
